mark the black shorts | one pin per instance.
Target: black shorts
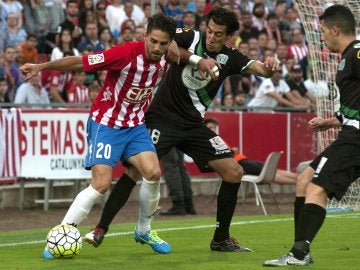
(250, 166)
(336, 168)
(197, 141)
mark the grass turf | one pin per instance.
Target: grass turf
(336, 246)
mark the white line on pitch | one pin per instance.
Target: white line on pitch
(353, 215)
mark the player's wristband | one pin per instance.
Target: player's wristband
(194, 59)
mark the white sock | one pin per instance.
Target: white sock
(148, 203)
(81, 206)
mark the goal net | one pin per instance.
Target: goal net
(322, 68)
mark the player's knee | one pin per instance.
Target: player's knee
(153, 175)
(234, 175)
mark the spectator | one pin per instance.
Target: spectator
(65, 44)
(16, 33)
(14, 6)
(100, 15)
(258, 20)
(199, 13)
(58, 82)
(29, 51)
(56, 13)
(172, 9)
(262, 43)
(284, 26)
(11, 71)
(298, 48)
(127, 35)
(85, 7)
(179, 184)
(298, 91)
(4, 34)
(71, 22)
(39, 24)
(139, 33)
(280, 53)
(227, 102)
(90, 39)
(4, 94)
(32, 92)
(240, 99)
(94, 90)
(130, 11)
(247, 29)
(272, 28)
(106, 40)
(78, 93)
(189, 19)
(271, 93)
(113, 13)
(318, 88)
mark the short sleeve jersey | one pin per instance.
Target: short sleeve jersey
(184, 96)
(129, 84)
(348, 82)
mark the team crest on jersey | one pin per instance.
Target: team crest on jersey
(222, 58)
(341, 65)
(94, 59)
(192, 78)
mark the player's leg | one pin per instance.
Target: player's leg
(230, 172)
(211, 153)
(284, 177)
(148, 165)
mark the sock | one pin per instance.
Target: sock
(81, 206)
(298, 204)
(226, 203)
(311, 218)
(117, 199)
(148, 203)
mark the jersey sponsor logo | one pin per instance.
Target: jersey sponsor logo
(192, 79)
(107, 94)
(94, 59)
(179, 30)
(341, 65)
(138, 95)
(222, 58)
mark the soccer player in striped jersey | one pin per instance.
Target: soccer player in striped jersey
(116, 130)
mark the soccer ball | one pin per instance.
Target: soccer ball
(64, 241)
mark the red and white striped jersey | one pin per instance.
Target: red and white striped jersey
(129, 84)
(297, 52)
(78, 94)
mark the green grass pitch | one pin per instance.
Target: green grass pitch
(337, 246)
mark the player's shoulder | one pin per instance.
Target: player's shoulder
(354, 50)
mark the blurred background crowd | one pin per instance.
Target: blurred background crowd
(42, 30)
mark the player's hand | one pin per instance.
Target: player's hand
(173, 53)
(272, 63)
(318, 124)
(209, 67)
(29, 70)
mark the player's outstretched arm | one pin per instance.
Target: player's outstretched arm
(67, 63)
(265, 69)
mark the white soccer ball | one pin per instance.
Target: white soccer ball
(64, 241)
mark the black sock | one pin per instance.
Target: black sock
(118, 197)
(311, 218)
(226, 203)
(298, 204)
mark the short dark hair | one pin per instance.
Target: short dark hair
(341, 17)
(211, 121)
(162, 22)
(225, 17)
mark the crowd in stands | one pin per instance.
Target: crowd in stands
(40, 30)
